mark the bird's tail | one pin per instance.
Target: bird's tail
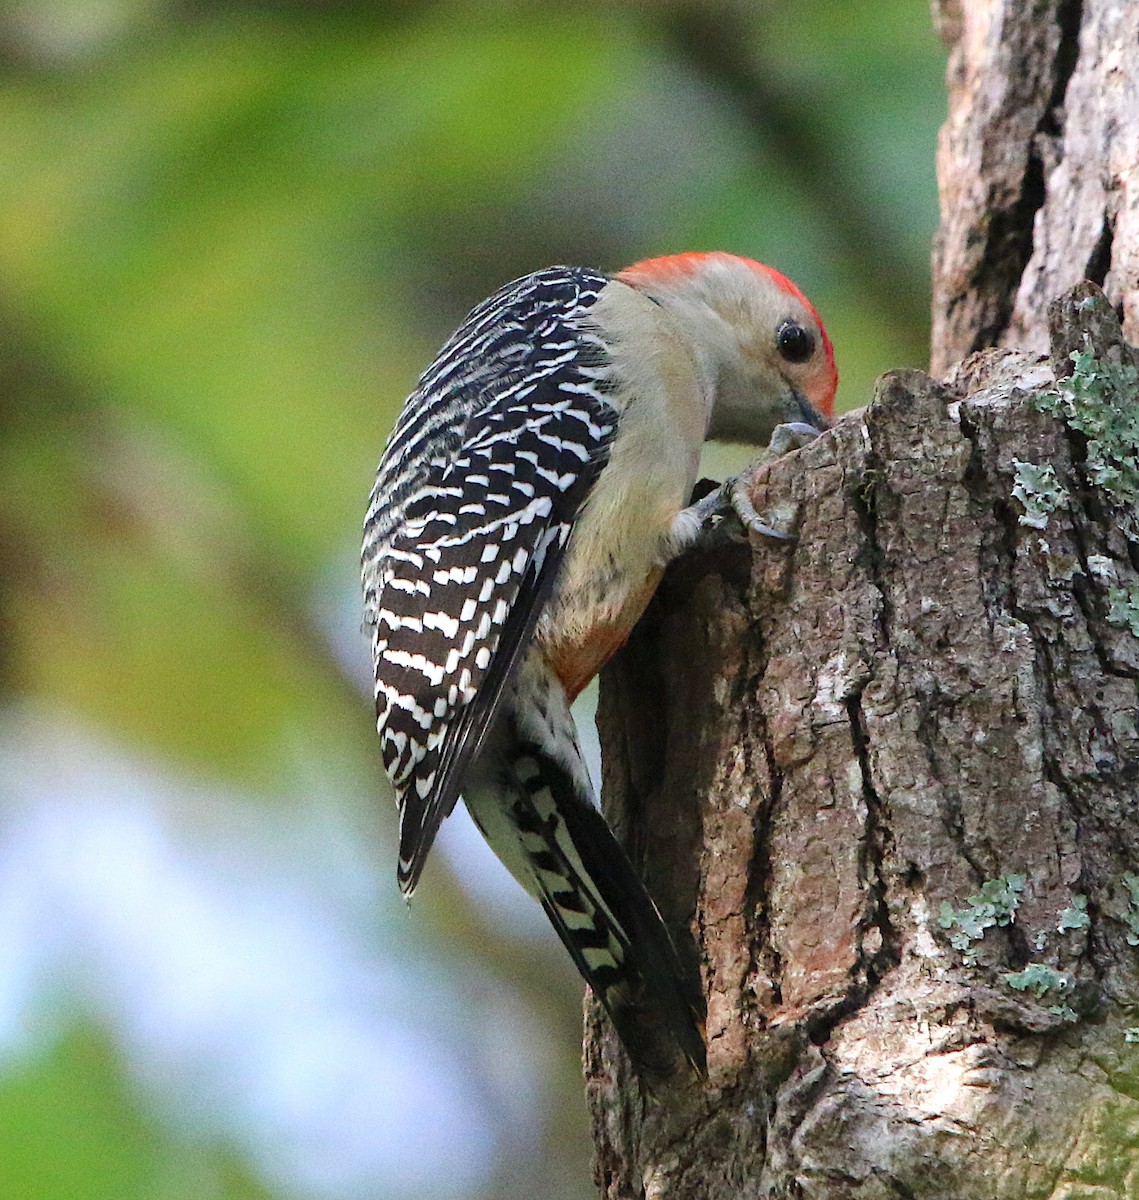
(558, 845)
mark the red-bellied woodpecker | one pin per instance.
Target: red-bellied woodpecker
(532, 491)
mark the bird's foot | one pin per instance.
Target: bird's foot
(794, 435)
(727, 513)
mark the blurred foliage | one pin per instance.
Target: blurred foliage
(69, 1127)
(231, 234)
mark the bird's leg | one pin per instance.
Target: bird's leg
(727, 512)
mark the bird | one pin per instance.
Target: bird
(534, 487)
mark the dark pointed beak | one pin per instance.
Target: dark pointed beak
(808, 413)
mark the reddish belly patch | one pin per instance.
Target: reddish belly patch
(575, 662)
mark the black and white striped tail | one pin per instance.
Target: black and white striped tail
(597, 903)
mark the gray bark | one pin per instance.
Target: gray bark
(885, 782)
(811, 751)
(1038, 168)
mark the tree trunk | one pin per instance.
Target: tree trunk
(889, 777)
(1038, 168)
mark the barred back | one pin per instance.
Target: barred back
(489, 462)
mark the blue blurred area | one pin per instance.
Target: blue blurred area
(231, 234)
(262, 989)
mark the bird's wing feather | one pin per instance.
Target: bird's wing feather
(473, 506)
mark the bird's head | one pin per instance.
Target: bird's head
(762, 352)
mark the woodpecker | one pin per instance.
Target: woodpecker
(534, 487)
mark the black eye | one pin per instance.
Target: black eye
(794, 343)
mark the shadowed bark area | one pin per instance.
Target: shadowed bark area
(888, 778)
(1038, 168)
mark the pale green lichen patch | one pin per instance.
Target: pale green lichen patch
(1123, 608)
(995, 904)
(1130, 915)
(1076, 916)
(1040, 980)
(1100, 399)
(1039, 491)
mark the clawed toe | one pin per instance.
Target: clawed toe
(710, 519)
(793, 435)
(746, 511)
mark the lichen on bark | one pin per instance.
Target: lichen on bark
(816, 751)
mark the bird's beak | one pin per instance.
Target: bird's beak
(808, 413)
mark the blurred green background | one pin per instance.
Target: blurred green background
(231, 234)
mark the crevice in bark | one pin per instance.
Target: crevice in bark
(865, 496)
(1009, 236)
(1099, 261)
(895, 1186)
(874, 848)
(951, 812)
(1008, 250)
(1091, 526)
(1070, 17)
(997, 543)
(764, 958)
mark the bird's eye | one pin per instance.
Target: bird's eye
(794, 343)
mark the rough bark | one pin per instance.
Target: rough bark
(1038, 168)
(813, 750)
(888, 779)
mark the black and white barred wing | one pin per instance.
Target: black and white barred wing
(474, 503)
